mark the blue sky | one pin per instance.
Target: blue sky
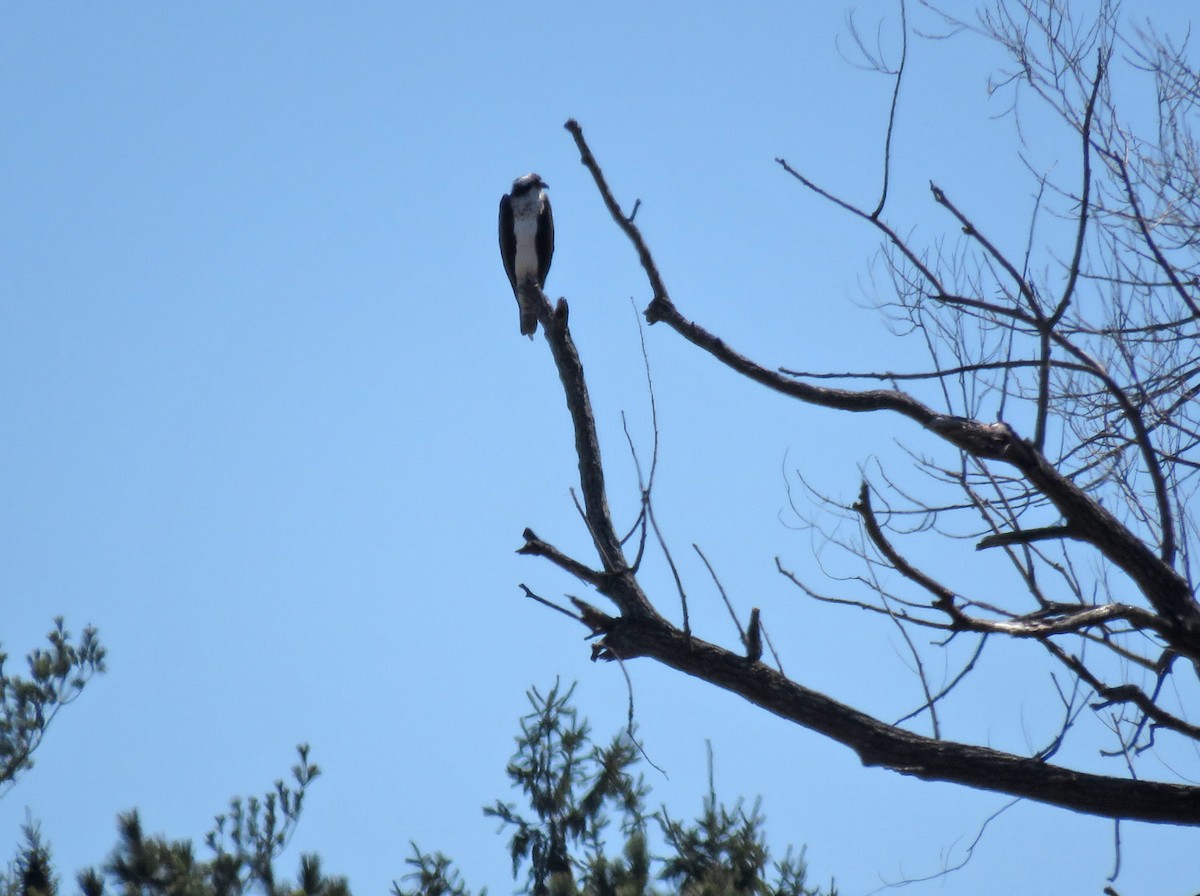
(267, 421)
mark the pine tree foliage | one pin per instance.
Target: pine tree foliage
(57, 675)
(575, 789)
(434, 874)
(570, 785)
(582, 829)
(245, 844)
(32, 872)
(723, 853)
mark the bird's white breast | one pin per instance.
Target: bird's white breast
(526, 210)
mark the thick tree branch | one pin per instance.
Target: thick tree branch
(1084, 344)
(535, 547)
(1166, 590)
(610, 202)
(638, 631)
(587, 444)
(880, 744)
(618, 581)
(1022, 536)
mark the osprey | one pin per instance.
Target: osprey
(527, 243)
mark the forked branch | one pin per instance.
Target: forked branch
(638, 630)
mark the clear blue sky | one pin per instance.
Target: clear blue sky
(266, 418)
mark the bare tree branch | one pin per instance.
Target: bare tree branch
(1079, 340)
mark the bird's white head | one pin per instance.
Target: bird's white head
(528, 182)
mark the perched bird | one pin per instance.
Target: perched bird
(527, 243)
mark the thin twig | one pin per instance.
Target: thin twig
(891, 125)
(724, 596)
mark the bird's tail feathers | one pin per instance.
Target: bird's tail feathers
(528, 295)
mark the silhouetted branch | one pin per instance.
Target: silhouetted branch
(1081, 343)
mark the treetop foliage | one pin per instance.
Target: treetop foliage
(246, 843)
(57, 675)
(582, 829)
(589, 832)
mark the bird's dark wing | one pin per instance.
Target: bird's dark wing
(545, 241)
(508, 241)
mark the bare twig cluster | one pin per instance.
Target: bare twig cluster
(1064, 384)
